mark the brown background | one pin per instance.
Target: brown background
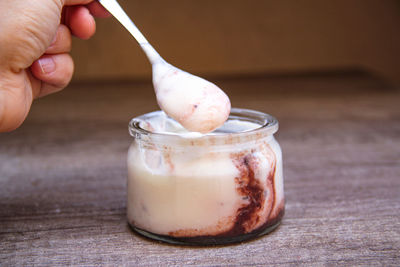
(231, 37)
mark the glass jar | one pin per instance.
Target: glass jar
(193, 189)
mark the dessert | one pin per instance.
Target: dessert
(218, 188)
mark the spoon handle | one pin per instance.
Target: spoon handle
(116, 10)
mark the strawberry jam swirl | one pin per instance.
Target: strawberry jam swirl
(261, 209)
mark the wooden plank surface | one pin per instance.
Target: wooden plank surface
(63, 176)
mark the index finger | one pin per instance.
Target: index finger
(97, 10)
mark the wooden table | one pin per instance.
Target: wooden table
(63, 176)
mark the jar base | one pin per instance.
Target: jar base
(207, 240)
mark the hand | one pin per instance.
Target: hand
(35, 40)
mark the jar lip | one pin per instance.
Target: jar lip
(268, 125)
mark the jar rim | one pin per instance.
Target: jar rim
(268, 125)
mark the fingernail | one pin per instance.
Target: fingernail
(47, 65)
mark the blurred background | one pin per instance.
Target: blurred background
(255, 37)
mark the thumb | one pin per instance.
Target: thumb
(15, 99)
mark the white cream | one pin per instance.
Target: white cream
(197, 104)
(192, 193)
(164, 124)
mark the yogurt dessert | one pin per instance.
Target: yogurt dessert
(190, 188)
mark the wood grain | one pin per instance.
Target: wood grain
(63, 175)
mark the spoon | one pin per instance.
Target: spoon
(197, 104)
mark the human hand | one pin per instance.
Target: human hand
(35, 40)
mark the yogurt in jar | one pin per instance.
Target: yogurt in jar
(217, 188)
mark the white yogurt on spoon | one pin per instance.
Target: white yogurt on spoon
(197, 104)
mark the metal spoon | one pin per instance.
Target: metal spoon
(197, 104)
